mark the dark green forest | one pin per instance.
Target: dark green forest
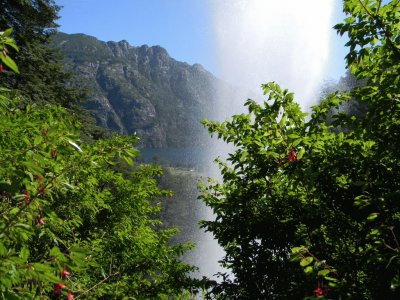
(307, 208)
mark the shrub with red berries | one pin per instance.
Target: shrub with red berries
(104, 231)
(334, 216)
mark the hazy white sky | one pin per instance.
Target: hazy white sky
(285, 41)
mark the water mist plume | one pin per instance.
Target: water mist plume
(285, 41)
(258, 41)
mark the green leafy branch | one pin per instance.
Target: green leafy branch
(6, 40)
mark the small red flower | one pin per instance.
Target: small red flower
(41, 190)
(70, 296)
(57, 288)
(27, 197)
(38, 178)
(54, 153)
(292, 157)
(318, 292)
(64, 274)
(40, 221)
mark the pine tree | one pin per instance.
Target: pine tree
(44, 79)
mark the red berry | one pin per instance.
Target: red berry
(57, 288)
(1, 68)
(64, 274)
(70, 296)
(41, 221)
(318, 291)
(38, 178)
(54, 153)
(27, 197)
(41, 190)
(292, 157)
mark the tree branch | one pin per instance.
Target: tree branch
(97, 284)
(381, 25)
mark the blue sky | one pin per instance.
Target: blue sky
(183, 27)
(180, 26)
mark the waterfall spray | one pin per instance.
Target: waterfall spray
(285, 41)
(258, 41)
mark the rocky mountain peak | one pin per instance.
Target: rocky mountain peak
(141, 89)
(119, 49)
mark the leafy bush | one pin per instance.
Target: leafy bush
(298, 189)
(71, 223)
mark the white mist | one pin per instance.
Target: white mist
(285, 41)
(257, 41)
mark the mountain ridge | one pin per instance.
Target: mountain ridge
(141, 89)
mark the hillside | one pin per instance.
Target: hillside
(141, 89)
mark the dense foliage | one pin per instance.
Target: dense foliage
(43, 78)
(311, 190)
(63, 207)
(346, 83)
(76, 219)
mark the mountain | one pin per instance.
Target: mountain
(141, 89)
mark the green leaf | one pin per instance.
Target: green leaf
(38, 140)
(10, 42)
(375, 232)
(306, 261)
(6, 282)
(7, 32)
(70, 186)
(3, 250)
(282, 122)
(293, 136)
(296, 142)
(372, 216)
(33, 168)
(75, 145)
(289, 97)
(301, 153)
(308, 269)
(350, 20)
(55, 251)
(323, 272)
(14, 211)
(24, 254)
(22, 225)
(7, 60)
(296, 250)
(128, 160)
(330, 279)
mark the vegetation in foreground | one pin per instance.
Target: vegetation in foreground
(309, 207)
(74, 222)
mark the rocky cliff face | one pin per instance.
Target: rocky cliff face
(141, 89)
